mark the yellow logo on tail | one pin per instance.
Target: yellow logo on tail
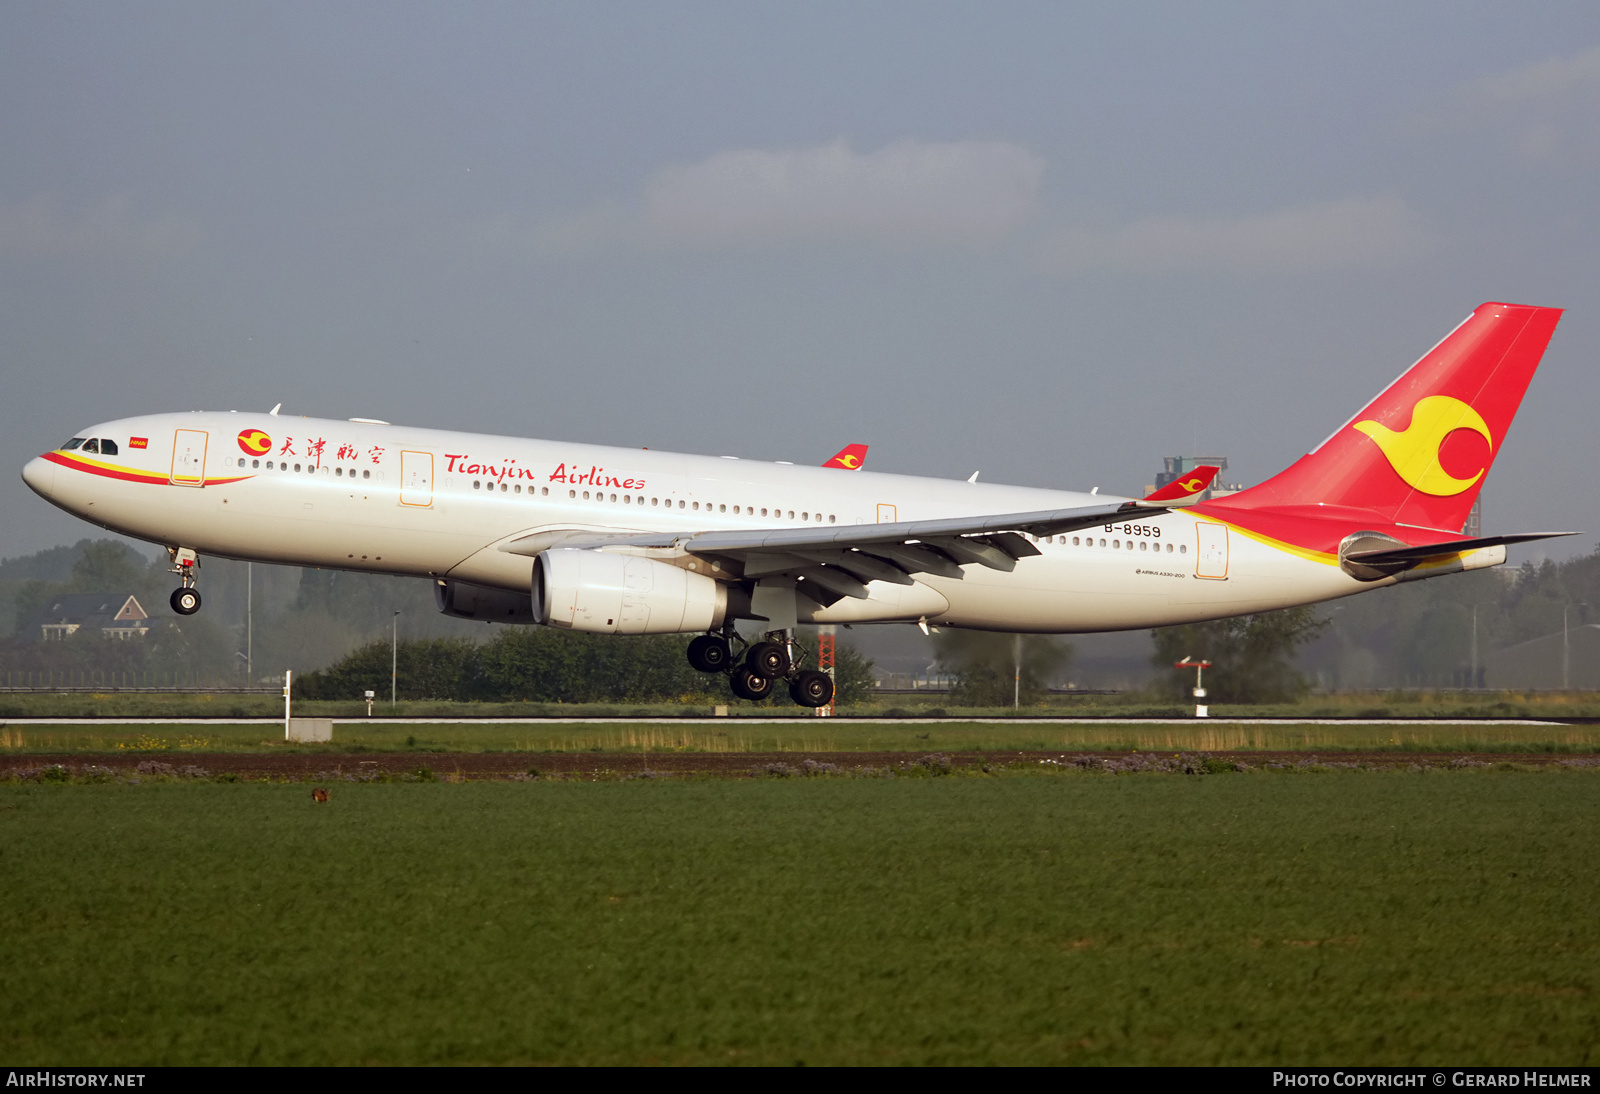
(1414, 453)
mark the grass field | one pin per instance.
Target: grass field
(812, 735)
(1249, 919)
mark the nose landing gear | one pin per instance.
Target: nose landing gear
(185, 599)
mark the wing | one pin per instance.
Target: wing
(834, 562)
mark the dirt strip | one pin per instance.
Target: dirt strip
(592, 765)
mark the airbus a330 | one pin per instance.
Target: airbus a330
(630, 541)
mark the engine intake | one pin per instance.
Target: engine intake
(605, 593)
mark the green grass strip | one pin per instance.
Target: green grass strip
(1323, 919)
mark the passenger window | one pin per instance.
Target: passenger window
(297, 467)
(1102, 543)
(791, 514)
(256, 464)
(586, 495)
(697, 505)
(830, 518)
(680, 504)
(477, 485)
(763, 512)
(1143, 546)
(337, 470)
(1075, 541)
(108, 447)
(92, 445)
(1183, 548)
(722, 508)
(544, 491)
(518, 489)
(269, 465)
(241, 461)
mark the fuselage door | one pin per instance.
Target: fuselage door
(189, 457)
(1211, 559)
(416, 478)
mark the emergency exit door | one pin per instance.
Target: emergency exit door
(1211, 556)
(416, 478)
(189, 457)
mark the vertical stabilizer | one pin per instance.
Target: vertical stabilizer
(1419, 452)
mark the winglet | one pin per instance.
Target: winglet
(850, 457)
(1184, 490)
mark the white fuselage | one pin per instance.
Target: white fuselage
(401, 500)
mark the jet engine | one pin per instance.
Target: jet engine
(468, 601)
(605, 593)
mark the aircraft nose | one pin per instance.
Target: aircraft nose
(40, 474)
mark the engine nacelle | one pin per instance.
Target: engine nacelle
(468, 601)
(604, 593)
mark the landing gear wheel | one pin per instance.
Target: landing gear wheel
(709, 653)
(751, 685)
(185, 601)
(767, 659)
(812, 689)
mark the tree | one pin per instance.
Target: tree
(987, 666)
(1252, 656)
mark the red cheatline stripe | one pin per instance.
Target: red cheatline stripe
(66, 459)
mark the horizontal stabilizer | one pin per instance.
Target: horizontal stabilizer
(1403, 556)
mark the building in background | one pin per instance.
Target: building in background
(116, 615)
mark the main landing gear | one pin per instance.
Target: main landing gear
(185, 599)
(756, 673)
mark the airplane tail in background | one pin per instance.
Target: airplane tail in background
(1419, 453)
(850, 457)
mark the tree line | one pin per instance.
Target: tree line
(545, 665)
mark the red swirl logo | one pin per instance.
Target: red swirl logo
(255, 442)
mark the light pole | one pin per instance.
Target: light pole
(1473, 682)
(1016, 678)
(394, 657)
(1566, 645)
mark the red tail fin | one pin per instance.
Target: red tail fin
(850, 457)
(1418, 453)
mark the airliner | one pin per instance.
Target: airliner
(738, 552)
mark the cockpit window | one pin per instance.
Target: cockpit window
(91, 445)
(108, 447)
(70, 445)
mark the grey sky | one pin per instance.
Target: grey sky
(1050, 242)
